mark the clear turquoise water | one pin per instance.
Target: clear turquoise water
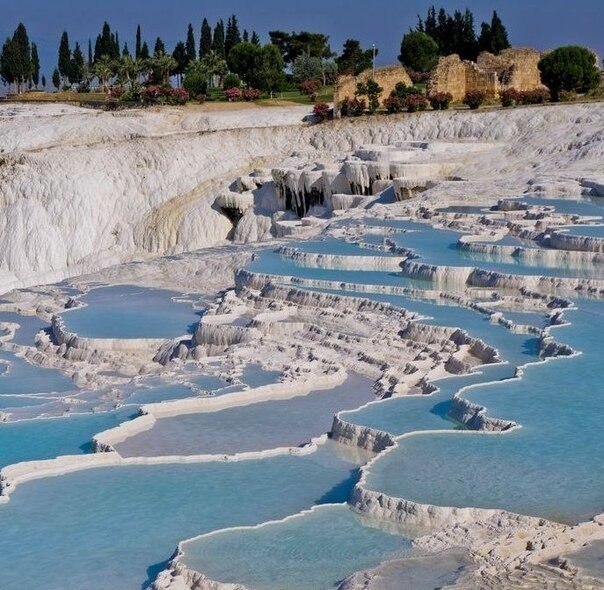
(29, 326)
(588, 207)
(552, 467)
(23, 377)
(315, 550)
(31, 440)
(592, 231)
(335, 246)
(112, 528)
(264, 425)
(131, 312)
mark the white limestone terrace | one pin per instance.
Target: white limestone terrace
(149, 179)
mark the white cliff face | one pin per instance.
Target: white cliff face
(83, 190)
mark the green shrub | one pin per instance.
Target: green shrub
(570, 69)
(232, 81)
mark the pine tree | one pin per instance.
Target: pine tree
(159, 47)
(139, 46)
(233, 36)
(190, 46)
(35, 65)
(23, 69)
(64, 64)
(255, 38)
(205, 44)
(145, 51)
(499, 35)
(8, 62)
(246, 36)
(218, 42)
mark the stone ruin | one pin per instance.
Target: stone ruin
(387, 78)
(513, 68)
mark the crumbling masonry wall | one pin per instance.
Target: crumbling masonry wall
(387, 78)
(512, 68)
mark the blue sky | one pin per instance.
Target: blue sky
(537, 23)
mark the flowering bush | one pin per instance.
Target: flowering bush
(321, 111)
(537, 96)
(474, 98)
(415, 102)
(151, 94)
(394, 104)
(251, 94)
(509, 97)
(233, 94)
(176, 96)
(440, 101)
(353, 107)
(117, 92)
(310, 88)
(419, 77)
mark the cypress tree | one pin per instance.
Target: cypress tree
(145, 51)
(246, 36)
(218, 42)
(181, 58)
(233, 36)
(499, 35)
(76, 70)
(64, 64)
(35, 65)
(159, 47)
(8, 62)
(191, 49)
(125, 51)
(90, 60)
(205, 44)
(56, 79)
(22, 56)
(139, 46)
(255, 39)
(116, 46)
(43, 81)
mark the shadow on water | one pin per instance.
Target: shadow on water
(442, 410)
(192, 327)
(342, 491)
(153, 571)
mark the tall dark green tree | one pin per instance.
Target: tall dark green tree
(145, 54)
(255, 40)
(419, 52)
(205, 43)
(218, 41)
(570, 69)
(9, 63)
(125, 50)
(499, 35)
(159, 47)
(64, 63)
(354, 59)
(23, 57)
(182, 60)
(90, 57)
(233, 36)
(246, 36)
(56, 79)
(139, 43)
(43, 81)
(291, 45)
(76, 69)
(191, 49)
(35, 65)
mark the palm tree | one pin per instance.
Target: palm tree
(216, 66)
(163, 64)
(104, 70)
(127, 70)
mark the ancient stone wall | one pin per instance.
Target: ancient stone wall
(387, 78)
(457, 77)
(515, 68)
